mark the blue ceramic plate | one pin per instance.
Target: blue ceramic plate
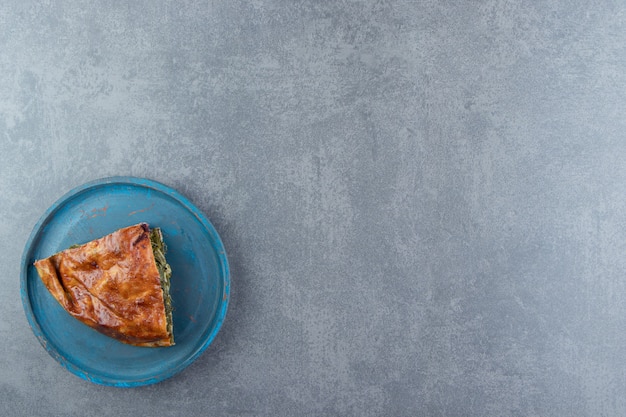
(199, 285)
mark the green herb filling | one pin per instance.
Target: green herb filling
(165, 272)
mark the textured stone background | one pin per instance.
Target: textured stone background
(423, 202)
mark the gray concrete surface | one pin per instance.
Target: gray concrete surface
(423, 203)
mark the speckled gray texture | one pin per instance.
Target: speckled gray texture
(423, 203)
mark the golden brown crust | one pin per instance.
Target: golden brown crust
(111, 284)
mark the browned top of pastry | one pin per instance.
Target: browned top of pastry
(111, 284)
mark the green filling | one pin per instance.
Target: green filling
(165, 272)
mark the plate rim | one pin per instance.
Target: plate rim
(30, 315)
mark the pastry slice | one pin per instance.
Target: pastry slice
(118, 285)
